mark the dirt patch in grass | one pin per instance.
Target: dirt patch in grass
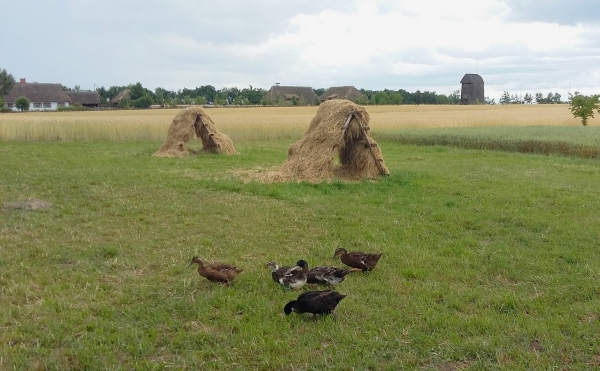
(28, 205)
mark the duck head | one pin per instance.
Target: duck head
(339, 251)
(302, 264)
(272, 265)
(289, 307)
(197, 260)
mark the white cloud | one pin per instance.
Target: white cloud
(375, 44)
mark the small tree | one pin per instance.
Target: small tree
(583, 106)
(22, 103)
(505, 98)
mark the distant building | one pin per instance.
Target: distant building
(48, 97)
(343, 92)
(303, 95)
(89, 99)
(472, 89)
(123, 94)
(42, 96)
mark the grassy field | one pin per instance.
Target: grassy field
(490, 258)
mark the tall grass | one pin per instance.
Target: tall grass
(269, 123)
(566, 140)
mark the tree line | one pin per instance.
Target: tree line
(551, 98)
(208, 94)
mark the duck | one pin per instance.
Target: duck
(292, 277)
(326, 275)
(315, 302)
(356, 259)
(216, 272)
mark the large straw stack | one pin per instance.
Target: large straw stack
(190, 122)
(312, 158)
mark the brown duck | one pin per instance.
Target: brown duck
(356, 259)
(216, 272)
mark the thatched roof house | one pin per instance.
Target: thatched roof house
(123, 94)
(85, 98)
(472, 91)
(303, 95)
(42, 96)
(344, 92)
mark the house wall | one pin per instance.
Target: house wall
(33, 106)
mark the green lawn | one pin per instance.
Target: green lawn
(490, 261)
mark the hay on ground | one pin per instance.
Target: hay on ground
(312, 157)
(190, 122)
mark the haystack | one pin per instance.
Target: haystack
(341, 127)
(190, 122)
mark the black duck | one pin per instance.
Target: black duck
(315, 302)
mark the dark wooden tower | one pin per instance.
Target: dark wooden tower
(472, 89)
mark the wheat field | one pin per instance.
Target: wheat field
(265, 123)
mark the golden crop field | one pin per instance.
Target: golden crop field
(265, 123)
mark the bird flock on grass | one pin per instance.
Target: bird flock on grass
(295, 277)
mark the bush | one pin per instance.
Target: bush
(22, 103)
(5, 110)
(124, 103)
(144, 101)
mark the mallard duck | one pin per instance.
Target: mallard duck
(293, 277)
(315, 302)
(326, 275)
(216, 272)
(357, 259)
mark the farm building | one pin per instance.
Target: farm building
(123, 94)
(85, 98)
(344, 92)
(42, 96)
(301, 95)
(48, 96)
(472, 89)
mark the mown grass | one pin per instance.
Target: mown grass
(490, 261)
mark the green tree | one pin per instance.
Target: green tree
(539, 98)
(22, 103)
(125, 103)
(144, 101)
(583, 106)
(136, 91)
(7, 82)
(505, 98)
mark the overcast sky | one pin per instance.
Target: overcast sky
(515, 45)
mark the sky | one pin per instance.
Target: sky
(519, 46)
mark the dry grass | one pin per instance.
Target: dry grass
(268, 123)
